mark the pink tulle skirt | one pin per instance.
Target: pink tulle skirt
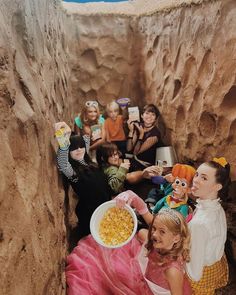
(95, 270)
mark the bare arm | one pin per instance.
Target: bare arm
(134, 177)
(148, 217)
(137, 176)
(175, 280)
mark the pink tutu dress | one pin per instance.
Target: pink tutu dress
(96, 270)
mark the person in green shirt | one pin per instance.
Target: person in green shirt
(117, 170)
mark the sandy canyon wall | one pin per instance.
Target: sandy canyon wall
(181, 59)
(33, 95)
(104, 59)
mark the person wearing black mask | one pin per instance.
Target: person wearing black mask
(87, 180)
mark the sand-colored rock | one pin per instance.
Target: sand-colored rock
(33, 94)
(180, 55)
(181, 59)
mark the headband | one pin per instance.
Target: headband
(222, 161)
(171, 213)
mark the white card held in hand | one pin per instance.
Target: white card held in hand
(134, 114)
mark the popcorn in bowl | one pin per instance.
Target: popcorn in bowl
(111, 226)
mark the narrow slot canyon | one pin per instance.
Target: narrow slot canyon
(54, 56)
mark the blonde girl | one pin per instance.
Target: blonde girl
(114, 124)
(91, 123)
(154, 268)
(167, 248)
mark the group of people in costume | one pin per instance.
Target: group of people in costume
(182, 251)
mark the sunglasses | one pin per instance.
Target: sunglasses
(91, 103)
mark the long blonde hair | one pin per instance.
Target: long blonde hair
(83, 114)
(176, 223)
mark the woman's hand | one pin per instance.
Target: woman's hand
(61, 125)
(169, 177)
(151, 171)
(125, 164)
(130, 198)
(63, 133)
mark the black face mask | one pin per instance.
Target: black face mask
(76, 141)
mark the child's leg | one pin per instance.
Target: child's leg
(142, 235)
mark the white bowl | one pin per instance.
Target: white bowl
(97, 217)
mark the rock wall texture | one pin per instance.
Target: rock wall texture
(180, 57)
(189, 63)
(105, 59)
(33, 95)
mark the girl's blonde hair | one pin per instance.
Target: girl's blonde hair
(83, 114)
(176, 223)
(112, 105)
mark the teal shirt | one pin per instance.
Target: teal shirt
(79, 123)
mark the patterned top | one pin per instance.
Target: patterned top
(116, 178)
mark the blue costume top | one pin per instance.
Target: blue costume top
(169, 202)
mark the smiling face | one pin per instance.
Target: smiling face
(163, 238)
(204, 183)
(180, 188)
(92, 113)
(149, 118)
(114, 159)
(78, 154)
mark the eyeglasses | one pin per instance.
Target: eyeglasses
(91, 103)
(116, 154)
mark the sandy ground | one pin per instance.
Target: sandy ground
(135, 7)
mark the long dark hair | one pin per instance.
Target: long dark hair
(77, 141)
(105, 151)
(222, 177)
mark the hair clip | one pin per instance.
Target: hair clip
(91, 103)
(222, 161)
(171, 213)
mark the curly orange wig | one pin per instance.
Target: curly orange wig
(183, 171)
